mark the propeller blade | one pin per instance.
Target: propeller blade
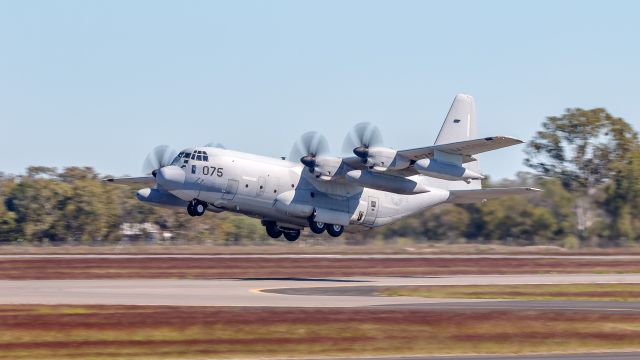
(215, 145)
(363, 135)
(310, 146)
(160, 156)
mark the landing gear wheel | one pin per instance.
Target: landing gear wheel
(291, 235)
(317, 227)
(196, 207)
(273, 231)
(190, 209)
(335, 230)
(199, 209)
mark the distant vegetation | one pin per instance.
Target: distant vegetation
(587, 161)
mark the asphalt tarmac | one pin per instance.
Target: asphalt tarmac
(297, 292)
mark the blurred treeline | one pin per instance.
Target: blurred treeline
(586, 161)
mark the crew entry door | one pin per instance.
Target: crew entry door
(372, 211)
(230, 190)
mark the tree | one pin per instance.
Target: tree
(584, 150)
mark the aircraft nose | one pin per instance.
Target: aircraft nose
(170, 177)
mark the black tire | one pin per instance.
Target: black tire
(190, 210)
(335, 230)
(273, 231)
(292, 235)
(316, 227)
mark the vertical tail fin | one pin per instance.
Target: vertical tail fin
(460, 123)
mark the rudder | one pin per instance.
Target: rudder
(460, 123)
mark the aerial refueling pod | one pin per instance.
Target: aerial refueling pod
(446, 171)
(390, 183)
(160, 197)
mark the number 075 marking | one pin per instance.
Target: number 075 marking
(212, 170)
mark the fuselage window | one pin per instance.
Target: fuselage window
(193, 169)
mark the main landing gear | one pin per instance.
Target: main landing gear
(274, 231)
(196, 207)
(319, 227)
(335, 230)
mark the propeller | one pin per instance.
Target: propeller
(308, 148)
(160, 156)
(215, 145)
(363, 136)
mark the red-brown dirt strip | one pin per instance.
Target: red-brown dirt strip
(241, 267)
(159, 332)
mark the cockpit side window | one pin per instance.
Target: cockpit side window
(176, 160)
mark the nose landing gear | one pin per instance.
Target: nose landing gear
(196, 207)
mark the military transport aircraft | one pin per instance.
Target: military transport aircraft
(311, 188)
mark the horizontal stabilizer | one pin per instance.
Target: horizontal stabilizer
(477, 195)
(140, 180)
(466, 148)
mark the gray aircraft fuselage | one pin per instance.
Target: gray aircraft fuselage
(252, 185)
(375, 187)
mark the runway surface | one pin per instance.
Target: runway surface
(591, 356)
(296, 292)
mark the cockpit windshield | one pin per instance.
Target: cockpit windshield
(184, 156)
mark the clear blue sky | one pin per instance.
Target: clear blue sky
(100, 83)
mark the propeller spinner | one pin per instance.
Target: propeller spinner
(309, 148)
(362, 137)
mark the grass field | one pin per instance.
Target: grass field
(140, 332)
(598, 292)
(245, 267)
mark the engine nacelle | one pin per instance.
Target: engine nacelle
(390, 183)
(326, 167)
(445, 171)
(382, 159)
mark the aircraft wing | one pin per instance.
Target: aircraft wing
(477, 195)
(140, 180)
(466, 148)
